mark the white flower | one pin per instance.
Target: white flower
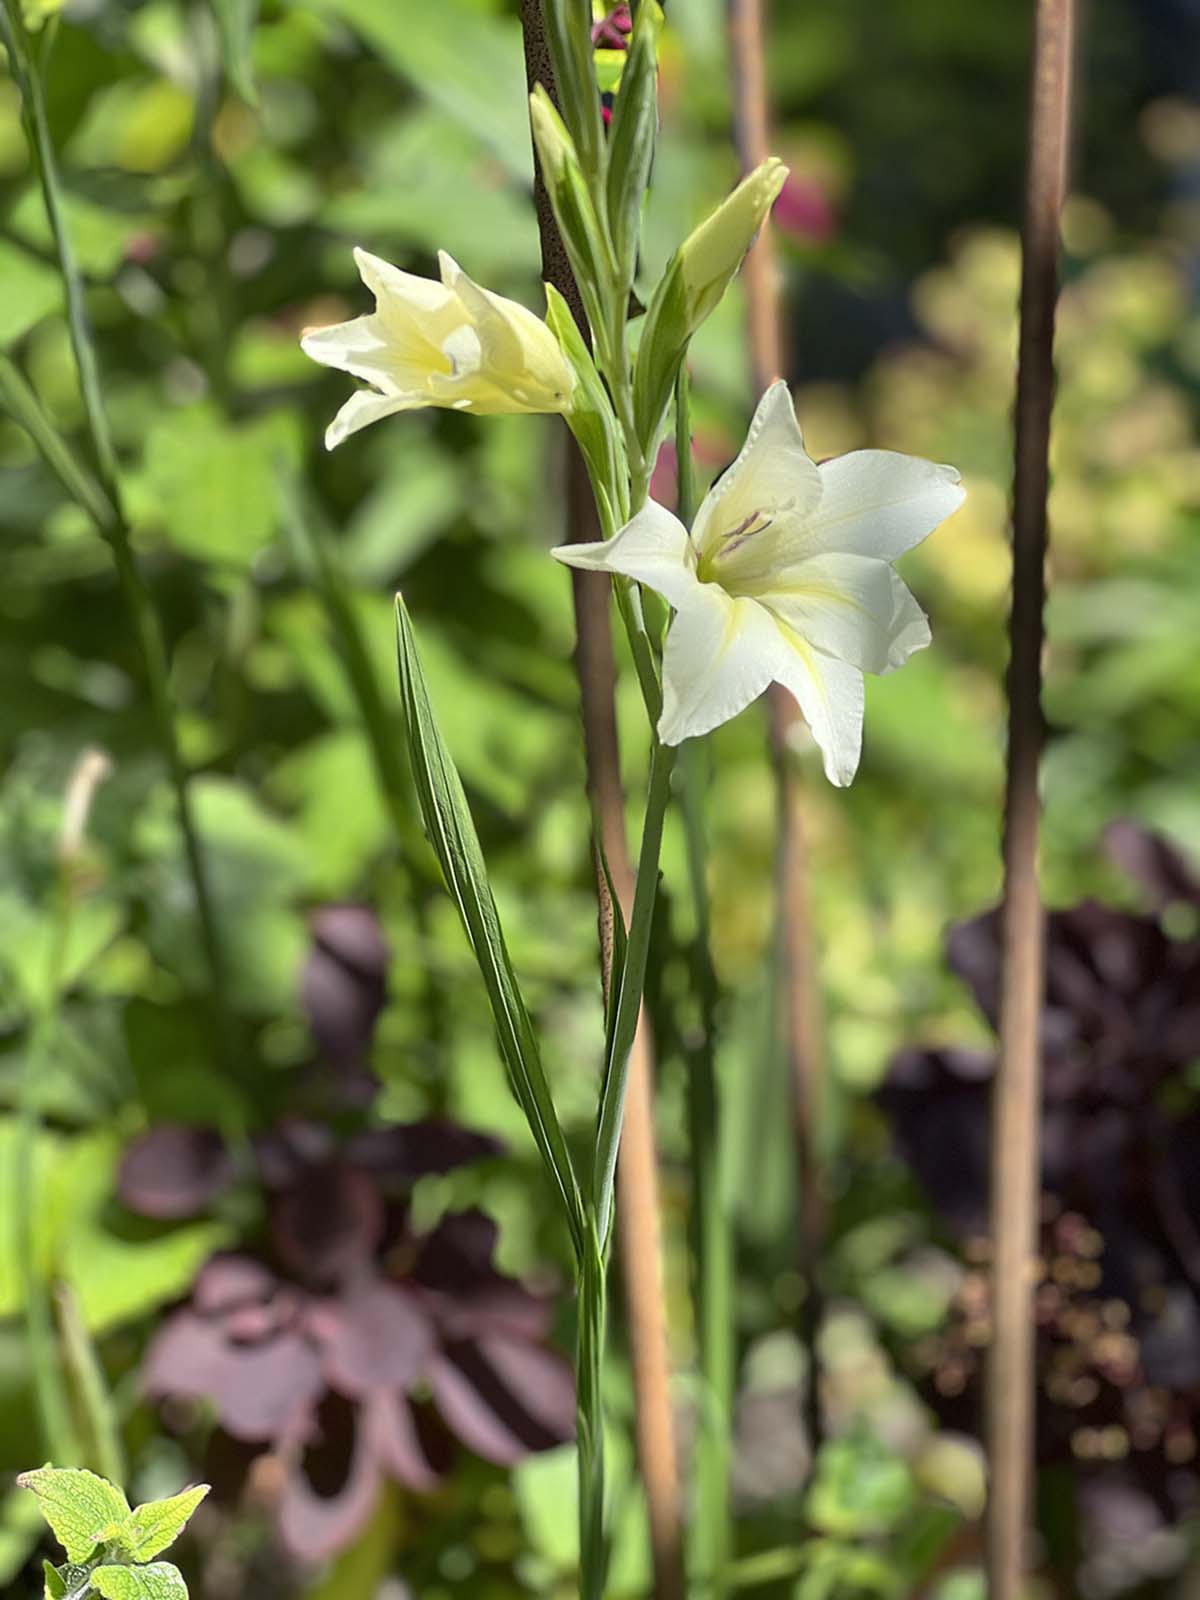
(451, 343)
(786, 577)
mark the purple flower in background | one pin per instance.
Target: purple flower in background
(345, 1347)
(1118, 1299)
(350, 1345)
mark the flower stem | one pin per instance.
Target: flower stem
(589, 1411)
(114, 526)
(712, 1237)
(629, 993)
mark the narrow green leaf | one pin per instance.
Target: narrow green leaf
(616, 939)
(631, 138)
(159, 1581)
(77, 1504)
(569, 37)
(579, 224)
(56, 1583)
(452, 834)
(149, 1529)
(591, 417)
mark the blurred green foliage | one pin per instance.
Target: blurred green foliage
(220, 166)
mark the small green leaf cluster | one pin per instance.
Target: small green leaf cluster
(110, 1548)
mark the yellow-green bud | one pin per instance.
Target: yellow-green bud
(710, 256)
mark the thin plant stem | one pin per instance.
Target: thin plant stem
(796, 988)
(641, 1250)
(147, 628)
(638, 1210)
(712, 1237)
(49, 1387)
(103, 1448)
(1015, 1176)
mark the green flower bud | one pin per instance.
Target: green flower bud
(696, 277)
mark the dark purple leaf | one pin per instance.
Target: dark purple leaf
(373, 1336)
(1153, 862)
(174, 1171)
(938, 1103)
(330, 1492)
(412, 1150)
(286, 1152)
(504, 1398)
(458, 1253)
(343, 988)
(399, 1443)
(327, 1224)
(228, 1281)
(261, 1392)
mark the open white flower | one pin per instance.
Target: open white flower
(451, 344)
(786, 577)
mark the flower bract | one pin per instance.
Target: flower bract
(449, 343)
(785, 577)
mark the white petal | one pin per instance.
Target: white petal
(362, 348)
(878, 503)
(653, 548)
(773, 474)
(363, 408)
(909, 627)
(720, 654)
(424, 296)
(830, 694)
(842, 604)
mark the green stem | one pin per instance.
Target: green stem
(711, 1233)
(104, 1449)
(115, 527)
(589, 1426)
(49, 1388)
(629, 995)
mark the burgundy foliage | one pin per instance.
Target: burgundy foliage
(1118, 1301)
(346, 1347)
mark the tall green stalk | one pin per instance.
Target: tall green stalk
(27, 73)
(712, 1237)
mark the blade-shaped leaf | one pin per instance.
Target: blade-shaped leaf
(79, 1506)
(159, 1581)
(569, 37)
(149, 1529)
(591, 417)
(452, 834)
(631, 145)
(235, 24)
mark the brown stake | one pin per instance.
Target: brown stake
(800, 1020)
(1016, 1113)
(638, 1211)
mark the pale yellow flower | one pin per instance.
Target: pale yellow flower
(450, 344)
(786, 578)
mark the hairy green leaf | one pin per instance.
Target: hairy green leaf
(150, 1528)
(78, 1505)
(159, 1581)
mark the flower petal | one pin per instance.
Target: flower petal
(910, 626)
(653, 548)
(843, 605)
(521, 366)
(830, 694)
(423, 297)
(772, 474)
(720, 654)
(879, 503)
(365, 407)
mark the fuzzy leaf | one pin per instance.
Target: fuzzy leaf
(149, 1529)
(159, 1581)
(78, 1505)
